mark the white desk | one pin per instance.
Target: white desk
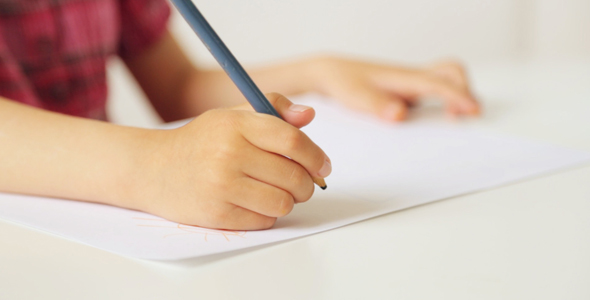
(529, 240)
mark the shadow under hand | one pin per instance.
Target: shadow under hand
(328, 210)
(433, 112)
(325, 211)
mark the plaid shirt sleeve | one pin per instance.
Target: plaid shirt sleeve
(142, 23)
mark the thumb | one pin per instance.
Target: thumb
(295, 114)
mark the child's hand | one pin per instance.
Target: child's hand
(381, 90)
(228, 168)
(387, 92)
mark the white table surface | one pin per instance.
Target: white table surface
(528, 240)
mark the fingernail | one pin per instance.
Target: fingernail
(326, 168)
(298, 108)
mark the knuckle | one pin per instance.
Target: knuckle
(226, 139)
(228, 118)
(456, 66)
(308, 192)
(327, 62)
(298, 176)
(293, 139)
(302, 182)
(227, 151)
(222, 118)
(214, 114)
(278, 101)
(285, 204)
(452, 68)
(424, 82)
(273, 98)
(219, 181)
(434, 86)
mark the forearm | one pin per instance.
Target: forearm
(208, 89)
(49, 154)
(177, 89)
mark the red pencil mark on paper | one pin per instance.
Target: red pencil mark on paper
(181, 229)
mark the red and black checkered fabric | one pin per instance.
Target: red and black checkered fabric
(53, 53)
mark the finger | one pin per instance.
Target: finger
(262, 198)
(452, 112)
(280, 172)
(387, 107)
(428, 86)
(274, 135)
(295, 114)
(451, 71)
(234, 217)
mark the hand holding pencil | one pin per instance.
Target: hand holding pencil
(229, 63)
(234, 169)
(230, 168)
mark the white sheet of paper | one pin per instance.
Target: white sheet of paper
(378, 168)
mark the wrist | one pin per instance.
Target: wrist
(292, 78)
(132, 169)
(318, 73)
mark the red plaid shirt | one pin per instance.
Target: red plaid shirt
(53, 53)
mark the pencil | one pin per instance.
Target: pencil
(229, 63)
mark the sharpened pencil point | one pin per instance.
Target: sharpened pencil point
(320, 182)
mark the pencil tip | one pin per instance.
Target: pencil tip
(320, 182)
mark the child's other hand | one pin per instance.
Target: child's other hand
(228, 168)
(388, 91)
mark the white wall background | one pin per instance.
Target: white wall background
(475, 31)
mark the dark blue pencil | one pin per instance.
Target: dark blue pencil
(224, 57)
(228, 62)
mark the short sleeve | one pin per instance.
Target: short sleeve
(143, 22)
